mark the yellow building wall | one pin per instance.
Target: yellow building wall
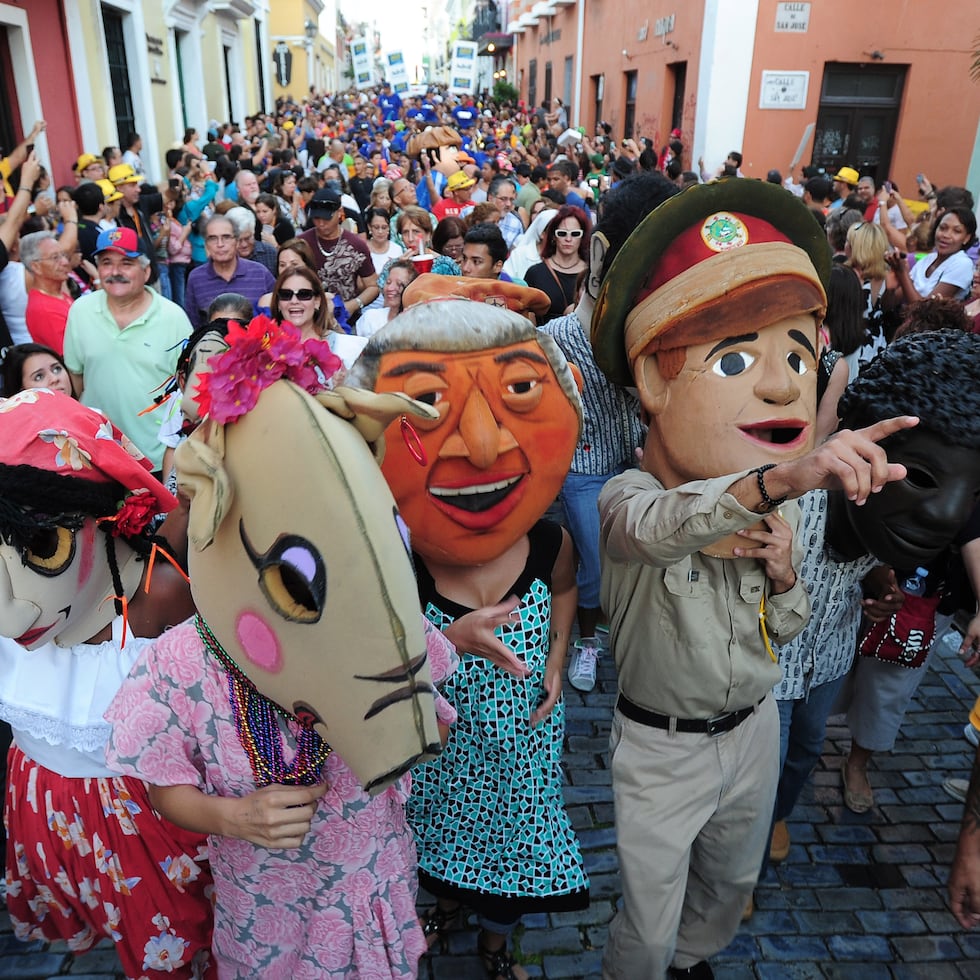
(286, 20)
(163, 79)
(213, 68)
(89, 12)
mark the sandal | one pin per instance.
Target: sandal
(436, 924)
(499, 963)
(856, 802)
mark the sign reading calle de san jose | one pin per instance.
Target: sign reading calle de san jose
(792, 18)
(784, 89)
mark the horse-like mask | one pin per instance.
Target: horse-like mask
(300, 566)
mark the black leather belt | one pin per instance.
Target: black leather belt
(708, 726)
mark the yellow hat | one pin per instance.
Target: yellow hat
(848, 175)
(459, 181)
(123, 173)
(109, 190)
(288, 124)
(85, 161)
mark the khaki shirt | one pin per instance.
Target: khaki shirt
(685, 627)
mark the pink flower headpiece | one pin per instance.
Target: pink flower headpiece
(259, 355)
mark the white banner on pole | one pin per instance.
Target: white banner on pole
(361, 63)
(462, 69)
(396, 72)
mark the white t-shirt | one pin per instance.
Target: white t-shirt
(894, 216)
(13, 302)
(380, 261)
(371, 321)
(956, 271)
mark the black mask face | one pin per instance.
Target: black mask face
(912, 520)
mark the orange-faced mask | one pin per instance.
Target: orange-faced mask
(472, 482)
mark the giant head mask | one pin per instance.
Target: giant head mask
(299, 561)
(76, 499)
(475, 479)
(440, 144)
(711, 309)
(931, 375)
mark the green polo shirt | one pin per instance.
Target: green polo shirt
(123, 368)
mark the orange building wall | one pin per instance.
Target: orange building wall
(940, 107)
(610, 28)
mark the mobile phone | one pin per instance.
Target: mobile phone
(888, 186)
(920, 178)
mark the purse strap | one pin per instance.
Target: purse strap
(554, 275)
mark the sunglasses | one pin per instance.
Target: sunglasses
(568, 233)
(303, 295)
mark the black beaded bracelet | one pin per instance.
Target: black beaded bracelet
(770, 504)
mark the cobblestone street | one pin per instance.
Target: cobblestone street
(858, 897)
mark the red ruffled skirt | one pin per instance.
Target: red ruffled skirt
(89, 857)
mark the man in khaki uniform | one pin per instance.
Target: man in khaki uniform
(711, 312)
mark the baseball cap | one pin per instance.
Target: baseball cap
(324, 201)
(623, 167)
(122, 240)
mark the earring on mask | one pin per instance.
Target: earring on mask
(412, 442)
(155, 550)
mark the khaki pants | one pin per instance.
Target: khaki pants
(692, 821)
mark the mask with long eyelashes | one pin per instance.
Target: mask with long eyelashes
(300, 567)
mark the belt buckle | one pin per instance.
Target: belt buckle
(719, 724)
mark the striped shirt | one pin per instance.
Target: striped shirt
(611, 428)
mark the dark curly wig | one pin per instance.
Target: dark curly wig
(34, 502)
(931, 375)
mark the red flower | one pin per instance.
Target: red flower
(134, 513)
(258, 356)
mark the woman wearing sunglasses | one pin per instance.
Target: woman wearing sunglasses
(564, 254)
(299, 298)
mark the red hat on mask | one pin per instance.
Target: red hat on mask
(49, 431)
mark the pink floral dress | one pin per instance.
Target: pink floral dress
(342, 904)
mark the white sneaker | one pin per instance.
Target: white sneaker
(581, 667)
(971, 734)
(957, 788)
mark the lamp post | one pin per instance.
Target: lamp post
(310, 29)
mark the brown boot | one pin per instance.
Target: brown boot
(779, 845)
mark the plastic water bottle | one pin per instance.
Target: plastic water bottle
(915, 584)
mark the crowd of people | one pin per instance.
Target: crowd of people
(321, 218)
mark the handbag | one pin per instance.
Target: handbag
(905, 637)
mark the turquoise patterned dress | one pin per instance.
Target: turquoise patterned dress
(488, 814)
